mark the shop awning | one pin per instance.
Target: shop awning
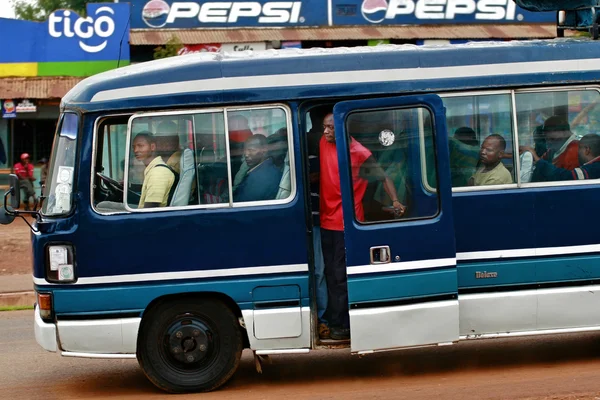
(483, 31)
(36, 87)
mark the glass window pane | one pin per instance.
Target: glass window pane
(558, 135)
(211, 156)
(480, 140)
(163, 160)
(259, 146)
(391, 153)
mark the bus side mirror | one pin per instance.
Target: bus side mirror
(15, 196)
(5, 218)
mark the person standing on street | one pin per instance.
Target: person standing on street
(24, 170)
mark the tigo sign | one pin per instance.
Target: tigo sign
(67, 44)
(67, 24)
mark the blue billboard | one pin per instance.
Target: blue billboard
(155, 14)
(66, 43)
(164, 14)
(417, 12)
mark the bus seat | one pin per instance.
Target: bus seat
(285, 184)
(181, 196)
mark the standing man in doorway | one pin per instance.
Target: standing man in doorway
(332, 219)
(24, 170)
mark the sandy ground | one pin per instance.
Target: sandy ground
(15, 248)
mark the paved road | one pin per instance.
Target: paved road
(565, 367)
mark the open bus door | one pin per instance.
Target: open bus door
(402, 278)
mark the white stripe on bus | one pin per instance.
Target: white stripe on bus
(342, 77)
(402, 266)
(532, 252)
(164, 276)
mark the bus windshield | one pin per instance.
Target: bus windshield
(59, 186)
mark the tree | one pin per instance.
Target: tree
(39, 10)
(171, 48)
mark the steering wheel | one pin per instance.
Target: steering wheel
(113, 185)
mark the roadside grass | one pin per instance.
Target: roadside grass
(16, 308)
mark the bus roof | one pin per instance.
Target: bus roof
(205, 78)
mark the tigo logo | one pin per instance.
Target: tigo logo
(102, 26)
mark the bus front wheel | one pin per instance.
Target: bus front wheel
(189, 346)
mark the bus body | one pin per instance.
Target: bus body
(185, 287)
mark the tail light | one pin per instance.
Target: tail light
(44, 301)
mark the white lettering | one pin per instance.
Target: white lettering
(399, 7)
(430, 9)
(67, 25)
(52, 21)
(276, 12)
(491, 9)
(182, 10)
(90, 29)
(296, 12)
(83, 28)
(459, 7)
(246, 9)
(511, 10)
(110, 26)
(214, 12)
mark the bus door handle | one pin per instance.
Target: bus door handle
(380, 255)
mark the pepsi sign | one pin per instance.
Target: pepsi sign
(195, 14)
(414, 12)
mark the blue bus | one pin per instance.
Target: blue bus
(184, 282)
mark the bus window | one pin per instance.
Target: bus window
(161, 145)
(259, 146)
(392, 147)
(558, 134)
(480, 141)
(109, 171)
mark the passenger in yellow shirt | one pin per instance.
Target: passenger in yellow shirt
(492, 172)
(158, 177)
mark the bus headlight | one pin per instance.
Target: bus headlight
(60, 265)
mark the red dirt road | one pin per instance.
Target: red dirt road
(15, 248)
(560, 367)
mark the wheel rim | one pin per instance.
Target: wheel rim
(189, 343)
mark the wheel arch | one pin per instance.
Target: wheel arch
(222, 297)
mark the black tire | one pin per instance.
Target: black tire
(190, 345)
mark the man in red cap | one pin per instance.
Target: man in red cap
(24, 170)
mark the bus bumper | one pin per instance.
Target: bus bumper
(45, 333)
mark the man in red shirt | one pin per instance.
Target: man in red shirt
(563, 145)
(332, 220)
(24, 170)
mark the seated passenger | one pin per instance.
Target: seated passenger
(239, 132)
(167, 143)
(158, 176)
(261, 182)
(466, 135)
(588, 159)
(493, 172)
(463, 160)
(561, 142)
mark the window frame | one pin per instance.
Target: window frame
(513, 127)
(95, 140)
(224, 110)
(515, 139)
(436, 191)
(549, 89)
